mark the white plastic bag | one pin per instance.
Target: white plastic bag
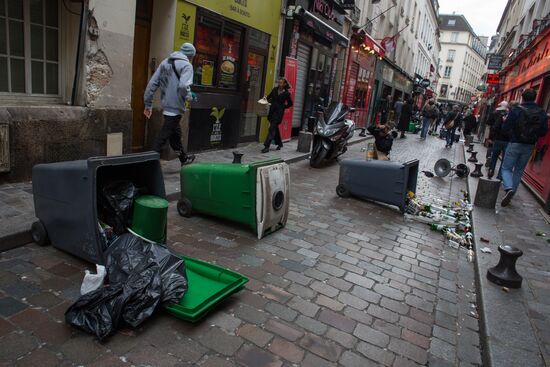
(91, 281)
(262, 107)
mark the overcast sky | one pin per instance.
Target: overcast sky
(483, 15)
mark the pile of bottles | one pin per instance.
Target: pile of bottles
(452, 220)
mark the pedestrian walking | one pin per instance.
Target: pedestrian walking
(429, 113)
(398, 107)
(453, 120)
(174, 77)
(497, 138)
(526, 123)
(470, 123)
(280, 100)
(405, 117)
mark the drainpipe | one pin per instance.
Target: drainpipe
(76, 97)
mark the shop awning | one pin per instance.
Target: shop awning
(323, 29)
(372, 44)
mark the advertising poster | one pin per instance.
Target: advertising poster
(185, 24)
(291, 67)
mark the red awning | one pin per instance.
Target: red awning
(372, 44)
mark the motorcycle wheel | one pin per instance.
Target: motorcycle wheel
(317, 158)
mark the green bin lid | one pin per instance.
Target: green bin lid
(153, 202)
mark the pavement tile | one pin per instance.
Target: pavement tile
(337, 320)
(321, 347)
(377, 354)
(254, 334)
(215, 361)
(286, 350)
(252, 356)
(371, 336)
(324, 301)
(10, 306)
(345, 339)
(304, 307)
(311, 325)
(283, 312)
(408, 350)
(283, 330)
(311, 360)
(220, 341)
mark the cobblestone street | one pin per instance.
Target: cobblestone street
(347, 283)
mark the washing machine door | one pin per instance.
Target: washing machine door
(272, 197)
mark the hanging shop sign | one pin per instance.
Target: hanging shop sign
(492, 79)
(348, 4)
(425, 83)
(495, 62)
(324, 8)
(389, 44)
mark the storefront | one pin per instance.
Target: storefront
(531, 69)
(390, 81)
(359, 81)
(236, 44)
(313, 37)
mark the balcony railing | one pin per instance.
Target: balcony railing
(539, 25)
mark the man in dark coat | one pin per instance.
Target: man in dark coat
(497, 137)
(280, 100)
(405, 117)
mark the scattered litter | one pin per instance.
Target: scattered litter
(541, 234)
(484, 240)
(91, 281)
(486, 250)
(506, 289)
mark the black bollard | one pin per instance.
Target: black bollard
(473, 157)
(477, 172)
(470, 148)
(505, 273)
(237, 157)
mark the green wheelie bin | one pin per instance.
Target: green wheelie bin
(253, 194)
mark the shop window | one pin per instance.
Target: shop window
(258, 39)
(29, 47)
(219, 46)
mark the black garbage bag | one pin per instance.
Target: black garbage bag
(141, 276)
(116, 201)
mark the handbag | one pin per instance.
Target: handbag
(262, 107)
(449, 125)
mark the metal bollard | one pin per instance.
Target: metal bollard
(473, 157)
(237, 157)
(477, 172)
(505, 273)
(468, 139)
(470, 148)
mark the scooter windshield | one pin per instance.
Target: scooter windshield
(336, 112)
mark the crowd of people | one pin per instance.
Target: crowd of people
(514, 130)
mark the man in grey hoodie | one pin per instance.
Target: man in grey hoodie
(174, 76)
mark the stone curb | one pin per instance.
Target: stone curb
(23, 237)
(505, 330)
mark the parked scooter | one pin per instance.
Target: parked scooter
(332, 133)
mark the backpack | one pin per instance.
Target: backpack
(529, 125)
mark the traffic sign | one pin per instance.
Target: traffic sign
(495, 62)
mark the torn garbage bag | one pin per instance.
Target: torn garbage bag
(116, 202)
(141, 276)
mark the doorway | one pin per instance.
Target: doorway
(254, 86)
(140, 71)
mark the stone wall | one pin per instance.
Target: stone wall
(42, 134)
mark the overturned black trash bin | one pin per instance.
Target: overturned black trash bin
(383, 181)
(66, 198)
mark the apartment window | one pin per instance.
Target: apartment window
(451, 22)
(451, 55)
(444, 89)
(29, 47)
(454, 37)
(447, 73)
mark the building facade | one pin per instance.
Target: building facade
(73, 73)
(524, 44)
(462, 57)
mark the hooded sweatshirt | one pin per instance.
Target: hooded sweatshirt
(173, 92)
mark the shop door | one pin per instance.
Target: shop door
(140, 71)
(318, 82)
(253, 92)
(303, 55)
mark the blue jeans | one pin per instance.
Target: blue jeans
(499, 146)
(450, 136)
(426, 122)
(514, 162)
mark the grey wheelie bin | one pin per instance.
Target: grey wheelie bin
(66, 198)
(383, 181)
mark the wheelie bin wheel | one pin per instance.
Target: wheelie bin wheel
(342, 191)
(39, 234)
(184, 208)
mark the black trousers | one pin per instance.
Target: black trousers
(171, 132)
(273, 135)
